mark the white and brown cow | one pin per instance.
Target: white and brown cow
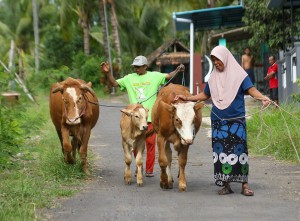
(133, 130)
(176, 123)
(74, 112)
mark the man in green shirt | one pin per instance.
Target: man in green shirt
(141, 87)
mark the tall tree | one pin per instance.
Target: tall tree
(115, 30)
(270, 26)
(36, 34)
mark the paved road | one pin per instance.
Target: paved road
(106, 197)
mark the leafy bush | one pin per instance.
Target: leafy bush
(11, 135)
(44, 79)
(17, 123)
(87, 67)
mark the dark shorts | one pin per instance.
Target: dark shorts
(250, 72)
(274, 94)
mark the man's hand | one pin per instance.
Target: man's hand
(105, 68)
(268, 77)
(181, 67)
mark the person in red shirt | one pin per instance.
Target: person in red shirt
(273, 78)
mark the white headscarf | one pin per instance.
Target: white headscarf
(225, 85)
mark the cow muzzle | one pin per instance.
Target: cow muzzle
(145, 127)
(73, 121)
(187, 141)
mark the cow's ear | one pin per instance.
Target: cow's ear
(168, 107)
(198, 106)
(127, 112)
(89, 84)
(59, 88)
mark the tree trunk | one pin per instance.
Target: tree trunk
(86, 30)
(116, 39)
(103, 24)
(36, 34)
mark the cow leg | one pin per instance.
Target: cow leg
(83, 150)
(163, 162)
(60, 139)
(67, 147)
(182, 159)
(139, 162)
(168, 169)
(128, 159)
(74, 147)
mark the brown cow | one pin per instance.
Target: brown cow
(175, 123)
(74, 112)
(133, 129)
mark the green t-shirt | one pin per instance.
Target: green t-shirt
(141, 87)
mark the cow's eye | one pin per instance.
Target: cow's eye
(79, 100)
(136, 116)
(65, 101)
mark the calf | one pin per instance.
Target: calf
(176, 123)
(133, 130)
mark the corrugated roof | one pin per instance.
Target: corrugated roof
(211, 18)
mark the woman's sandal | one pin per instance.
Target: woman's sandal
(225, 191)
(247, 192)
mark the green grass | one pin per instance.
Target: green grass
(274, 139)
(37, 174)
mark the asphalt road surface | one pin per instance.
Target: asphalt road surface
(106, 197)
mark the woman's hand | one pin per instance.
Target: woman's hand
(181, 97)
(266, 101)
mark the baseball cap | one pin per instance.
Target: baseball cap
(140, 61)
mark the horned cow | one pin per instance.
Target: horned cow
(74, 111)
(176, 123)
(133, 130)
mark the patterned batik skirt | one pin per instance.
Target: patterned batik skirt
(230, 152)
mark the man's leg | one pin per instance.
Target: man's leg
(150, 149)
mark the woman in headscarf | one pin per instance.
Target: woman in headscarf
(226, 86)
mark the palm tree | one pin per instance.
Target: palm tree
(17, 27)
(84, 10)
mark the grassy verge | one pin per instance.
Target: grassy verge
(36, 174)
(274, 132)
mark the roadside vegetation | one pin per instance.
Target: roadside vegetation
(33, 172)
(276, 132)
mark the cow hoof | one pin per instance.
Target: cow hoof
(140, 184)
(127, 182)
(182, 189)
(69, 159)
(166, 185)
(87, 172)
